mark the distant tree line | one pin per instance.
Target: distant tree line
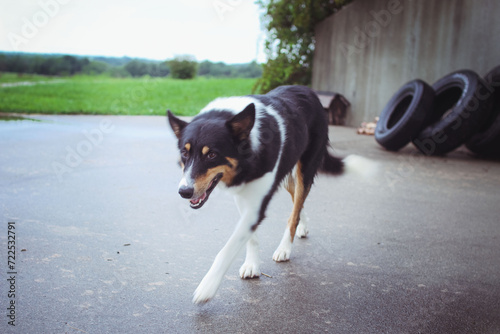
(181, 67)
(250, 70)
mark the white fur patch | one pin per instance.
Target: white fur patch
(186, 180)
(183, 182)
(234, 104)
(250, 268)
(302, 229)
(281, 125)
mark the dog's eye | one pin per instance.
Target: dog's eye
(184, 153)
(211, 155)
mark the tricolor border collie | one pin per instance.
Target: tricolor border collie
(250, 145)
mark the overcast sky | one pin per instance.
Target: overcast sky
(216, 30)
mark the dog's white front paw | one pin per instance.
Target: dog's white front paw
(282, 254)
(206, 290)
(302, 231)
(249, 270)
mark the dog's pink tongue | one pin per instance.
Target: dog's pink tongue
(197, 200)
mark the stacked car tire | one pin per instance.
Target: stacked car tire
(460, 108)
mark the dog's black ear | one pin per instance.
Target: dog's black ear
(241, 124)
(177, 124)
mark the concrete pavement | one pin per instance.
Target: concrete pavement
(104, 244)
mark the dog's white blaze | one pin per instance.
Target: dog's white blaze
(183, 182)
(187, 180)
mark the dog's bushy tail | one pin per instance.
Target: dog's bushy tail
(332, 165)
(352, 164)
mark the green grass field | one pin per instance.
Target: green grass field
(104, 95)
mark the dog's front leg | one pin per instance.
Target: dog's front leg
(249, 200)
(250, 268)
(210, 283)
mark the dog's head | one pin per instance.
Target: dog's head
(210, 150)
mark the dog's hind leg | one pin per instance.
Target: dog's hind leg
(299, 195)
(302, 229)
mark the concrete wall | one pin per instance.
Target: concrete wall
(370, 48)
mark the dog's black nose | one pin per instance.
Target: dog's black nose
(186, 192)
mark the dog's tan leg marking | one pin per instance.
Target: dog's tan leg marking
(302, 231)
(299, 197)
(290, 186)
(296, 188)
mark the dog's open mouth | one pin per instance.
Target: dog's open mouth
(197, 203)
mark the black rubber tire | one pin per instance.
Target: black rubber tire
(462, 105)
(404, 116)
(487, 141)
